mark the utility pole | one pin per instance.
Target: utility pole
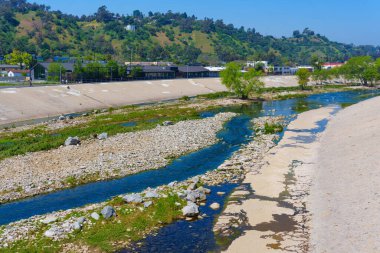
(60, 73)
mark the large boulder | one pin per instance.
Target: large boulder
(152, 194)
(133, 198)
(72, 141)
(191, 210)
(195, 196)
(108, 212)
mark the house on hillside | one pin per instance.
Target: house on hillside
(130, 28)
(331, 65)
(192, 72)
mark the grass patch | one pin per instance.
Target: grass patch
(40, 139)
(273, 128)
(216, 95)
(131, 226)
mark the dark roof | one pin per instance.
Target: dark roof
(192, 69)
(155, 69)
(67, 65)
(9, 66)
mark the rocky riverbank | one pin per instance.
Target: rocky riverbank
(95, 160)
(64, 226)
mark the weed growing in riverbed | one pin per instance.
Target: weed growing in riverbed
(273, 128)
(40, 138)
(130, 225)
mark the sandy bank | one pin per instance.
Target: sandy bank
(345, 196)
(270, 202)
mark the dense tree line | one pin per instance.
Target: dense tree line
(103, 35)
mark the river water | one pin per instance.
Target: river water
(236, 133)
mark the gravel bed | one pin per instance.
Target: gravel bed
(117, 156)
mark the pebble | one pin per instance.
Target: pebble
(215, 206)
(49, 219)
(95, 216)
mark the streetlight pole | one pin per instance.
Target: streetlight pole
(60, 73)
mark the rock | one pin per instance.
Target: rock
(50, 233)
(81, 220)
(108, 212)
(148, 204)
(61, 117)
(195, 180)
(220, 193)
(182, 195)
(172, 184)
(204, 190)
(77, 226)
(215, 206)
(192, 196)
(191, 210)
(85, 114)
(49, 219)
(167, 123)
(102, 136)
(69, 117)
(95, 216)
(195, 196)
(152, 194)
(192, 186)
(133, 198)
(72, 141)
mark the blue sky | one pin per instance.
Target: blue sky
(349, 21)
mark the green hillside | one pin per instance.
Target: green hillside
(168, 36)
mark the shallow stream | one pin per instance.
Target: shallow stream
(178, 236)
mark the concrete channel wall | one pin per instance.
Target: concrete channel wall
(28, 103)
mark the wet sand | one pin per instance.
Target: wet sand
(273, 199)
(345, 197)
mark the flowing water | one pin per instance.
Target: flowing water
(236, 133)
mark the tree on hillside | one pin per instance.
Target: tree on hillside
(316, 62)
(243, 85)
(303, 76)
(19, 58)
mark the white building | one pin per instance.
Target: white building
(284, 70)
(253, 64)
(130, 28)
(215, 71)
